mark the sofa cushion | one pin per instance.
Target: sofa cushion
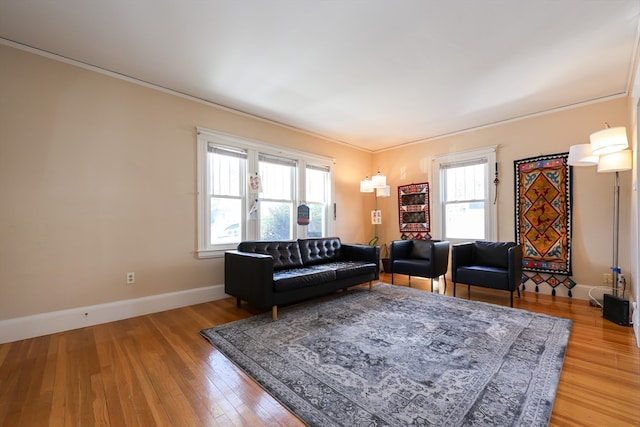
(285, 253)
(286, 280)
(344, 269)
(421, 249)
(492, 254)
(317, 251)
(488, 277)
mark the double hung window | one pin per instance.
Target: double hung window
(464, 195)
(318, 197)
(278, 199)
(227, 204)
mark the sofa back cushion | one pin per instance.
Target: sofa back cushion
(421, 249)
(285, 253)
(492, 254)
(316, 251)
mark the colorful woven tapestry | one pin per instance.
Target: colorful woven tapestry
(413, 202)
(543, 213)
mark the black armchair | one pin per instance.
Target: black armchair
(422, 258)
(496, 265)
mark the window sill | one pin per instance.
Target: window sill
(212, 253)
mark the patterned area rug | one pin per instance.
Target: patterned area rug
(397, 356)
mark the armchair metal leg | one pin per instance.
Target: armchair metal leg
(444, 276)
(511, 298)
(432, 284)
(392, 277)
(454, 289)
(518, 288)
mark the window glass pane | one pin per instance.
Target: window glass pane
(317, 183)
(275, 220)
(226, 226)
(317, 197)
(277, 179)
(465, 220)
(465, 182)
(317, 220)
(226, 174)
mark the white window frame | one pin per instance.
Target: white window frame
(251, 224)
(491, 210)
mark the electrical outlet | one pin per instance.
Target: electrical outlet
(607, 278)
(131, 278)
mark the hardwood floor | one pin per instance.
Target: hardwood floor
(157, 370)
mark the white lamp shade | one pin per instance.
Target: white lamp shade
(609, 140)
(366, 186)
(379, 180)
(619, 161)
(383, 191)
(581, 155)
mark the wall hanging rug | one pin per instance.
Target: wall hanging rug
(543, 214)
(396, 356)
(413, 203)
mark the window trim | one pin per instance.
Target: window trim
(255, 148)
(438, 190)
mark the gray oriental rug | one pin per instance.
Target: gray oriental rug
(397, 356)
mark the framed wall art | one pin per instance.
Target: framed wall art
(413, 203)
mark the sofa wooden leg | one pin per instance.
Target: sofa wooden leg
(274, 312)
(370, 284)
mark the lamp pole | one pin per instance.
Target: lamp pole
(616, 232)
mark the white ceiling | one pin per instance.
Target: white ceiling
(370, 73)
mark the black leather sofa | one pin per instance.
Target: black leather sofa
(270, 273)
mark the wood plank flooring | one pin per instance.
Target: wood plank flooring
(157, 370)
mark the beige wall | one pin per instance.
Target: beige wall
(544, 134)
(98, 178)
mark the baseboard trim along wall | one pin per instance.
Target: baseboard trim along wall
(20, 328)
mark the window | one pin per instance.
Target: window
(229, 211)
(464, 194)
(278, 197)
(225, 193)
(318, 194)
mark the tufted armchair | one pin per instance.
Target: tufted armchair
(422, 258)
(496, 265)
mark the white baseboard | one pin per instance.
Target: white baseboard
(20, 328)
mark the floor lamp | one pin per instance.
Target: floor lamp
(377, 183)
(608, 150)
